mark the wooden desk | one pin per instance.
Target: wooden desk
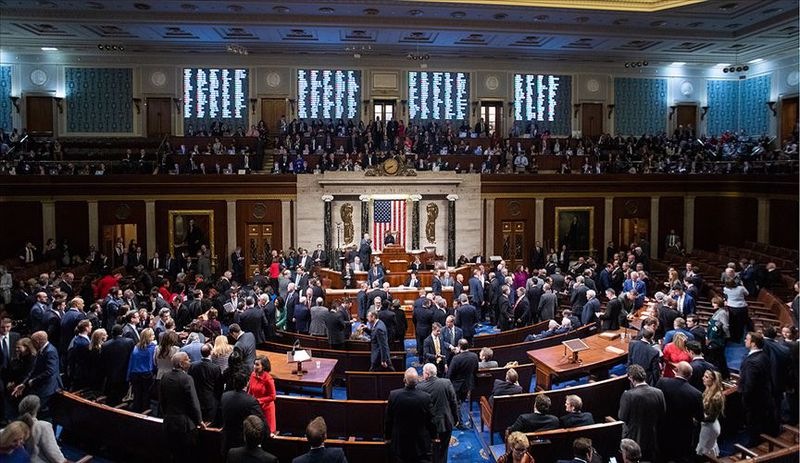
(551, 362)
(321, 377)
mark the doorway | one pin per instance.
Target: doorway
(257, 252)
(39, 115)
(272, 110)
(687, 117)
(492, 115)
(385, 109)
(126, 231)
(514, 248)
(789, 108)
(159, 117)
(632, 229)
(592, 120)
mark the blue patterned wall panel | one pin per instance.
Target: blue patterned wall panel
(754, 114)
(640, 106)
(99, 100)
(5, 103)
(723, 102)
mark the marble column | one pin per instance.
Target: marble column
(415, 199)
(286, 224)
(451, 230)
(608, 227)
(94, 224)
(150, 227)
(328, 224)
(488, 228)
(48, 221)
(762, 232)
(654, 245)
(688, 222)
(365, 201)
(233, 240)
(538, 227)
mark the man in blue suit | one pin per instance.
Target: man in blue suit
(634, 282)
(379, 342)
(316, 433)
(685, 301)
(45, 378)
(451, 335)
(476, 291)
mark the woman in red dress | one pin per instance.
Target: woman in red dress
(262, 387)
(675, 352)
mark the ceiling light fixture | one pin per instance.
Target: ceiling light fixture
(678, 63)
(49, 49)
(755, 61)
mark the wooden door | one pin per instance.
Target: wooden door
(592, 119)
(39, 115)
(789, 109)
(159, 117)
(687, 117)
(258, 250)
(272, 110)
(632, 229)
(492, 114)
(514, 246)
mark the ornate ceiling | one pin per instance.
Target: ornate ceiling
(587, 31)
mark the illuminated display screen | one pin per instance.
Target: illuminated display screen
(536, 97)
(328, 94)
(215, 94)
(438, 95)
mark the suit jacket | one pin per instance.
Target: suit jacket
(451, 338)
(13, 337)
(114, 358)
(780, 362)
(235, 407)
(336, 327)
(685, 406)
(321, 256)
(379, 343)
(246, 455)
(130, 332)
(429, 353)
(463, 368)
(466, 319)
(178, 403)
(589, 311)
(390, 320)
(254, 320)
(476, 291)
(364, 253)
(436, 285)
(292, 300)
(376, 274)
(699, 368)
(45, 378)
(755, 385)
(505, 312)
(423, 320)
(578, 299)
(322, 455)
(445, 406)
(521, 308)
(532, 422)
(247, 345)
(409, 424)
(302, 316)
(207, 378)
(610, 317)
(503, 387)
(547, 306)
(575, 419)
(642, 408)
(646, 356)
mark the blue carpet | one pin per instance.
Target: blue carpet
(734, 354)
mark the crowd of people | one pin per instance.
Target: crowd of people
(166, 335)
(357, 146)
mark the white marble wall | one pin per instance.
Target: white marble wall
(432, 186)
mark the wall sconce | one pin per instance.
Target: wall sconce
(577, 108)
(137, 102)
(475, 107)
(177, 102)
(703, 112)
(253, 102)
(672, 111)
(15, 102)
(610, 110)
(771, 105)
(60, 105)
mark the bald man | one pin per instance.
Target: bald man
(684, 409)
(45, 377)
(409, 422)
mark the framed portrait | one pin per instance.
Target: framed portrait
(575, 228)
(189, 230)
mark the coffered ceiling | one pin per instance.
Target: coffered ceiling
(693, 31)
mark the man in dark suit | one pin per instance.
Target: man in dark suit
(45, 378)
(36, 315)
(388, 317)
(466, 318)
(780, 360)
(253, 320)
(521, 308)
(755, 386)
(509, 386)
(422, 317)
(376, 274)
(684, 406)
(365, 251)
(180, 409)
(237, 264)
(207, 378)
(582, 451)
(379, 344)
(8, 341)
(476, 291)
(409, 422)
(548, 303)
(336, 327)
(155, 263)
(575, 417)
(445, 409)
(642, 408)
(435, 350)
(114, 357)
(235, 406)
(319, 257)
(645, 354)
(539, 420)
(316, 433)
(699, 365)
(537, 256)
(362, 299)
(251, 452)
(451, 334)
(246, 343)
(461, 372)
(292, 300)
(505, 313)
(302, 315)
(609, 319)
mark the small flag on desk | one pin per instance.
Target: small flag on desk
(389, 214)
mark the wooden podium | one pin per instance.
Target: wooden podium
(395, 259)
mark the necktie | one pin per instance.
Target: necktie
(4, 347)
(436, 345)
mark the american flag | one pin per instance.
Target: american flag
(389, 214)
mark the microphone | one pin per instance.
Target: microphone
(295, 346)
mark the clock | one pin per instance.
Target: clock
(391, 166)
(38, 77)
